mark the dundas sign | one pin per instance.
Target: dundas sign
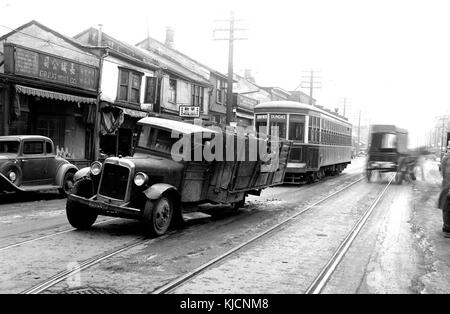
(31, 63)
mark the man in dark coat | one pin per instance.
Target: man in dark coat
(444, 197)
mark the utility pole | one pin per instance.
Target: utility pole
(309, 81)
(231, 38)
(359, 132)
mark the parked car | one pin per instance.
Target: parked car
(153, 187)
(29, 163)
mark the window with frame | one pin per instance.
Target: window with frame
(296, 127)
(221, 87)
(33, 147)
(173, 91)
(197, 93)
(129, 86)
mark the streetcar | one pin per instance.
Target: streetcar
(321, 139)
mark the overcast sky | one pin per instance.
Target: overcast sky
(390, 58)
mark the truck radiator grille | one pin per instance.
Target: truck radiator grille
(114, 181)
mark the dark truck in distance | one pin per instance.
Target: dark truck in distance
(152, 187)
(388, 152)
(28, 163)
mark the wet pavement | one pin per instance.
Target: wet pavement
(400, 250)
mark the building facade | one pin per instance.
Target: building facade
(48, 86)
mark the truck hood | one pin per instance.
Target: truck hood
(154, 165)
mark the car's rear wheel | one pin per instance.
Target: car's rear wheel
(13, 173)
(158, 215)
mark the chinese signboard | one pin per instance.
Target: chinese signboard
(189, 111)
(246, 103)
(27, 62)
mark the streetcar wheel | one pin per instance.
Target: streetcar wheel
(80, 216)
(158, 216)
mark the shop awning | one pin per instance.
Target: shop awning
(134, 113)
(54, 95)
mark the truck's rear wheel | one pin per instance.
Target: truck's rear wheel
(158, 215)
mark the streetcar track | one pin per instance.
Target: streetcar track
(327, 271)
(172, 285)
(57, 278)
(7, 247)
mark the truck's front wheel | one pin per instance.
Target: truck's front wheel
(158, 215)
(81, 216)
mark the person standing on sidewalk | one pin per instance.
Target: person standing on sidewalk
(444, 197)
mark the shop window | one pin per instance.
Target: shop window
(221, 87)
(150, 90)
(52, 127)
(129, 86)
(173, 91)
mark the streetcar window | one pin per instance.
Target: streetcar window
(261, 127)
(281, 129)
(296, 127)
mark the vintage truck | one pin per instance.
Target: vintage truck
(155, 187)
(388, 152)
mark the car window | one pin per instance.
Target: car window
(11, 147)
(33, 147)
(49, 147)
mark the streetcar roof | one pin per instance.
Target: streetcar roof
(291, 106)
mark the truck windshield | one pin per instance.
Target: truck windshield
(384, 141)
(156, 139)
(11, 147)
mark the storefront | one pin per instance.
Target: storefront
(244, 109)
(45, 94)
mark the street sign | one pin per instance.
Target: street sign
(189, 111)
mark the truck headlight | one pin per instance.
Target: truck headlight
(96, 168)
(140, 179)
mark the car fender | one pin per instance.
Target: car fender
(156, 190)
(82, 173)
(62, 170)
(7, 186)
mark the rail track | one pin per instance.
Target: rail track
(167, 288)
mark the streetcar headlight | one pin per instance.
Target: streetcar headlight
(140, 179)
(96, 168)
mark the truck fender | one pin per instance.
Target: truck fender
(82, 173)
(156, 190)
(62, 172)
